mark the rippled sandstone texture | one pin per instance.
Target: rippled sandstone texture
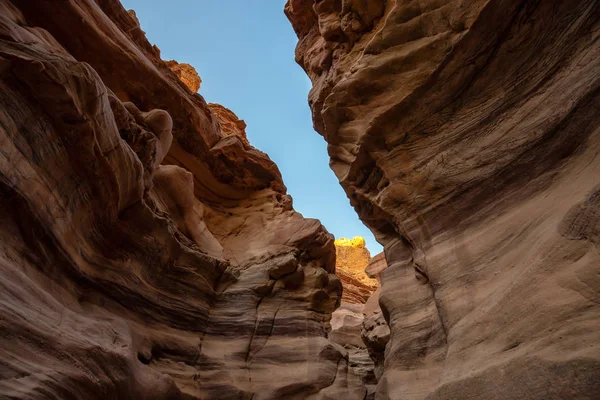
(466, 135)
(144, 254)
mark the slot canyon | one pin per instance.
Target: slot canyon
(149, 251)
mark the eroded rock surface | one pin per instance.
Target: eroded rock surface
(186, 73)
(359, 294)
(229, 122)
(466, 135)
(352, 258)
(144, 254)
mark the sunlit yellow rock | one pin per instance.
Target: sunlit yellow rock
(356, 241)
(352, 257)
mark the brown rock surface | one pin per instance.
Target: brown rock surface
(347, 322)
(347, 330)
(375, 334)
(376, 266)
(229, 122)
(186, 73)
(466, 135)
(144, 255)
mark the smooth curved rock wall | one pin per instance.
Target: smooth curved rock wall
(466, 136)
(144, 254)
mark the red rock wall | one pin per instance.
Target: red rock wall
(144, 255)
(466, 136)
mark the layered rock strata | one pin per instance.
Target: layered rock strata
(347, 322)
(352, 258)
(144, 254)
(466, 136)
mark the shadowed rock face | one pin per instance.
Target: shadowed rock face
(466, 136)
(359, 294)
(144, 255)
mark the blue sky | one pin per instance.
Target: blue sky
(244, 52)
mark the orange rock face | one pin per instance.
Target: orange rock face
(352, 258)
(229, 122)
(186, 73)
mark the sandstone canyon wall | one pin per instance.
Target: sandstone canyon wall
(147, 250)
(466, 135)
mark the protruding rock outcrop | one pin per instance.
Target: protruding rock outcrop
(229, 122)
(467, 137)
(375, 332)
(144, 254)
(186, 73)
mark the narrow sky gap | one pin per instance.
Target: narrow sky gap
(244, 53)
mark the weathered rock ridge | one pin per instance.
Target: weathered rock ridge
(466, 135)
(144, 253)
(229, 123)
(186, 73)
